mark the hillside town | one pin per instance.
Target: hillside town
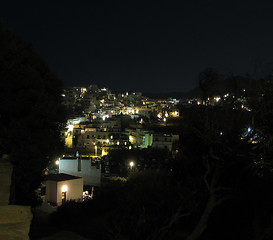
(125, 120)
(100, 121)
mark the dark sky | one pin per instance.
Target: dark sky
(144, 46)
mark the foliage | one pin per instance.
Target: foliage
(262, 121)
(208, 82)
(149, 158)
(31, 114)
(232, 201)
(213, 156)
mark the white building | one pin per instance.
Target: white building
(140, 138)
(81, 167)
(164, 141)
(63, 187)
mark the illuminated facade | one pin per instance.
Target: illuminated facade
(140, 138)
(164, 141)
(63, 187)
(82, 167)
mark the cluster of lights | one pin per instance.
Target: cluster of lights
(217, 99)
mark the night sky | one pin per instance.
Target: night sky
(145, 46)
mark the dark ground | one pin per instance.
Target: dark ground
(42, 230)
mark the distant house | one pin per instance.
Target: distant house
(82, 167)
(60, 188)
(140, 138)
(164, 141)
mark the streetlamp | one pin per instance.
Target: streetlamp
(131, 165)
(96, 150)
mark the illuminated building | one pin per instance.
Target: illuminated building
(82, 167)
(63, 187)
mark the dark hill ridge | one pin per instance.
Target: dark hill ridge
(234, 84)
(196, 92)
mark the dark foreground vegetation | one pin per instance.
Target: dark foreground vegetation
(30, 115)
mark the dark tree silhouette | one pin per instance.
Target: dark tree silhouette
(211, 148)
(208, 82)
(262, 121)
(30, 114)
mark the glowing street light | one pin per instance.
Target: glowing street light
(96, 150)
(70, 127)
(131, 165)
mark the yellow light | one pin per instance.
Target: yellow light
(57, 162)
(130, 147)
(64, 188)
(164, 119)
(96, 150)
(132, 164)
(70, 128)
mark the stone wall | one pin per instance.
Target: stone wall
(14, 220)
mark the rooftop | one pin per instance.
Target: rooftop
(75, 158)
(60, 177)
